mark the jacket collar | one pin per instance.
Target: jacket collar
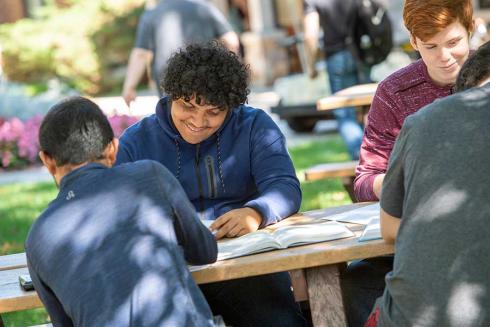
(72, 176)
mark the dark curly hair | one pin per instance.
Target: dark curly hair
(475, 70)
(209, 71)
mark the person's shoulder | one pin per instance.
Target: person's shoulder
(405, 78)
(255, 119)
(144, 167)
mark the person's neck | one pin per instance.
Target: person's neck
(438, 82)
(64, 170)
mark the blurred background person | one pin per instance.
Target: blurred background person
(333, 16)
(167, 27)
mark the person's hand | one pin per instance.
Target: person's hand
(129, 95)
(236, 223)
(313, 72)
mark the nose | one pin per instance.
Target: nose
(199, 118)
(445, 54)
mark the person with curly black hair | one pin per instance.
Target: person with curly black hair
(233, 163)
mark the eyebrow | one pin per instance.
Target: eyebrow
(208, 109)
(456, 38)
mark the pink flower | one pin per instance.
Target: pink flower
(120, 122)
(28, 143)
(11, 130)
(6, 156)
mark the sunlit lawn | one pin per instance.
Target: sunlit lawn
(20, 204)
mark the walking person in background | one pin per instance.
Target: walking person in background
(334, 18)
(440, 31)
(233, 163)
(170, 25)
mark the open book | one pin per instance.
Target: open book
(366, 215)
(281, 238)
(362, 215)
(372, 231)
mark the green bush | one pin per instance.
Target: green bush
(84, 46)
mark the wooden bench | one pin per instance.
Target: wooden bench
(345, 170)
(359, 96)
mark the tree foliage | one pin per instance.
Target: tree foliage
(85, 45)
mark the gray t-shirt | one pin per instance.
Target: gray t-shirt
(438, 183)
(173, 24)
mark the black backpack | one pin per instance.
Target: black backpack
(372, 35)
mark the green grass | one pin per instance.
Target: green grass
(323, 193)
(21, 203)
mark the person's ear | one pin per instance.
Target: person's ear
(473, 26)
(413, 42)
(111, 151)
(48, 161)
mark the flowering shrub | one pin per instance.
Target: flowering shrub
(19, 143)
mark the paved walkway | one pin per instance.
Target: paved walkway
(145, 105)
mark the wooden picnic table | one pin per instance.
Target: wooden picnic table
(355, 96)
(320, 262)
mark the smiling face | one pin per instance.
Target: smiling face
(195, 122)
(444, 53)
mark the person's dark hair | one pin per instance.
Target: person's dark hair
(74, 131)
(475, 70)
(212, 73)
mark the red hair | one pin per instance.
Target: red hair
(426, 18)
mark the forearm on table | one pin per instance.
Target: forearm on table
(364, 187)
(277, 203)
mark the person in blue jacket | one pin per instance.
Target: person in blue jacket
(232, 162)
(111, 249)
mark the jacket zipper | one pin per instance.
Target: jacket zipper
(210, 172)
(199, 182)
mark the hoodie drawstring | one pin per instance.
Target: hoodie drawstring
(220, 170)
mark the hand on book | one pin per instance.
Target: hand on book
(236, 223)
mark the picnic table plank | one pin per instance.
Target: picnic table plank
(12, 296)
(13, 261)
(354, 96)
(331, 169)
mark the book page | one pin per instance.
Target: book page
(255, 242)
(372, 231)
(207, 222)
(320, 231)
(361, 215)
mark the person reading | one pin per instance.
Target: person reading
(233, 164)
(111, 248)
(434, 208)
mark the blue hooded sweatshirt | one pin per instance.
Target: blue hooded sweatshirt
(244, 164)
